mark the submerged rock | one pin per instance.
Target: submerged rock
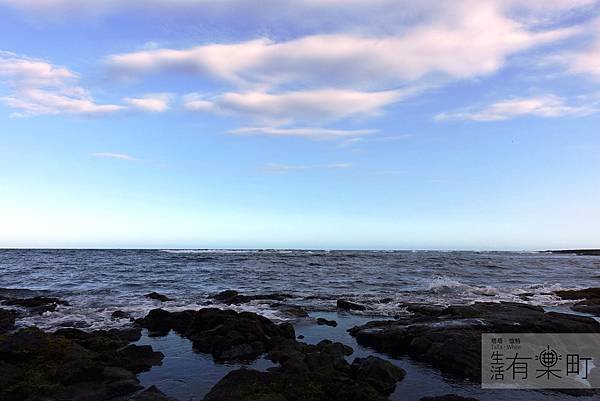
(450, 338)
(347, 305)
(7, 320)
(311, 373)
(37, 304)
(322, 321)
(71, 364)
(226, 334)
(157, 296)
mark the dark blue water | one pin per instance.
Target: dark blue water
(97, 282)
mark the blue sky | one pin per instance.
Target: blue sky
(312, 124)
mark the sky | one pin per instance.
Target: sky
(336, 124)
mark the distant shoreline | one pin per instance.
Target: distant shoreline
(581, 252)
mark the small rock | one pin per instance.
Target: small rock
(157, 296)
(300, 337)
(322, 321)
(347, 305)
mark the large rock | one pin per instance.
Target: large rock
(311, 373)
(7, 320)
(226, 334)
(450, 338)
(71, 364)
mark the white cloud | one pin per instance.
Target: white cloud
(286, 168)
(289, 107)
(303, 132)
(541, 106)
(153, 103)
(118, 156)
(474, 44)
(38, 87)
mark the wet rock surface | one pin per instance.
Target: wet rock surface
(37, 304)
(71, 364)
(232, 297)
(311, 373)
(347, 305)
(450, 338)
(225, 334)
(589, 300)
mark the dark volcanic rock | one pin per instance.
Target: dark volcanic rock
(119, 314)
(587, 293)
(38, 304)
(226, 334)
(310, 373)
(70, 364)
(323, 321)
(590, 299)
(591, 306)
(7, 320)
(447, 397)
(231, 297)
(152, 394)
(158, 297)
(450, 338)
(377, 373)
(291, 310)
(347, 305)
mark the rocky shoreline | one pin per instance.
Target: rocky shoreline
(72, 364)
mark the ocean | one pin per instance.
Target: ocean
(98, 282)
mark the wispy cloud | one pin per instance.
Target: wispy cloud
(545, 106)
(298, 106)
(38, 87)
(153, 103)
(286, 168)
(305, 132)
(375, 139)
(117, 156)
